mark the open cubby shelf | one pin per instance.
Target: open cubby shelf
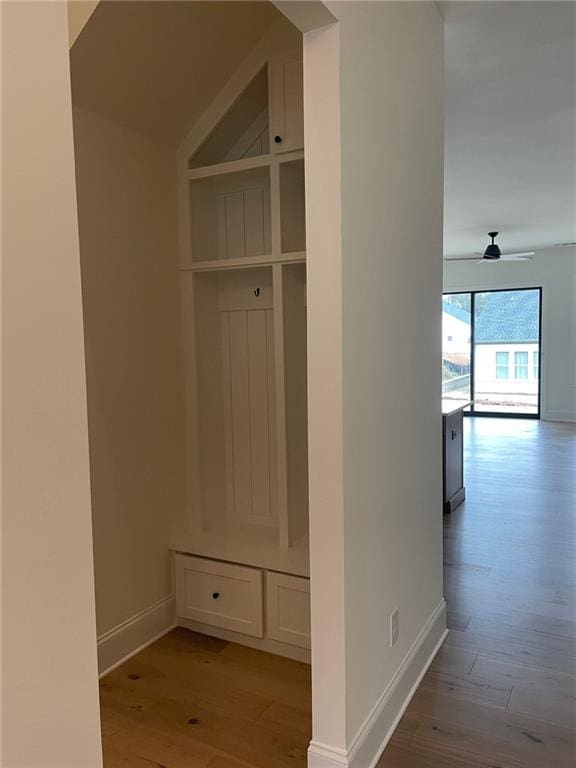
(230, 215)
(235, 207)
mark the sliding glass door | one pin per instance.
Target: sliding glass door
(491, 350)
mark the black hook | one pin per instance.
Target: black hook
(257, 292)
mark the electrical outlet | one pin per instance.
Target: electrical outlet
(394, 627)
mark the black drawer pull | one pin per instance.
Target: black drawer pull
(215, 595)
(278, 139)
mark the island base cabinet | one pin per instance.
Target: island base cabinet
(453, 460)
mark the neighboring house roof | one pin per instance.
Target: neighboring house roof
(456, 358)
(508, 317)
(454, 311)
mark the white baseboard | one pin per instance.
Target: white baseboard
(259, 643)
(376, 731)
(558, 416)
(120, 643)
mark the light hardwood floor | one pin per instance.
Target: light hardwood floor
(500, 694)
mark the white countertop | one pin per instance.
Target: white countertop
(453, 406)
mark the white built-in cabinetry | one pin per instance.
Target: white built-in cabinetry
(242, 567)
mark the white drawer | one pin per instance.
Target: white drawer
(288, 609)
(220, 594)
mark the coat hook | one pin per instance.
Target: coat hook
(257, 292)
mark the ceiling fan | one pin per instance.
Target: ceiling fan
(494, 254)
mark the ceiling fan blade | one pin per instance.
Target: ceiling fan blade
(508, 258)
(520, 256)
(480, 259)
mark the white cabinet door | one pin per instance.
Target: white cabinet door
(288, 609)
(219, 594)
(286, 102)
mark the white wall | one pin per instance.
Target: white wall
(392, 180)
(129, 256)
(555, 271)
(49, 679)
(322, 114)
(374, 165)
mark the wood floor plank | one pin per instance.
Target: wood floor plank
(419, 756)
(526, 737)
(459, 743)
(506, 673)
(142, 751)
(453, 659)
(544, 704)
(466, 688)
(457, 620)
(296, 719)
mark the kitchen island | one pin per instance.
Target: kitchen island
(454, 492)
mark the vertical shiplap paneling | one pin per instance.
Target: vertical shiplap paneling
(222, 236)
(235, 226)
(271, 414)
(228, 426)
(240, 398)
(258, 393)
(254, 222)
(243, 220)
(250, 415)
(267, 239)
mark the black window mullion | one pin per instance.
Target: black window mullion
(472, 346)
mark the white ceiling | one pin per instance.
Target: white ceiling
(510, 124)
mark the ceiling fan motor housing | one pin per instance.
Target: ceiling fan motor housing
(492, 251)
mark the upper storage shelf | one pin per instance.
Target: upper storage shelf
(242, 175)
(243, 131)
(267, 116)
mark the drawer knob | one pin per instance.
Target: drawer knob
(278, 139)
(215, 595)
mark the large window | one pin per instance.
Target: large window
(491, 350)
